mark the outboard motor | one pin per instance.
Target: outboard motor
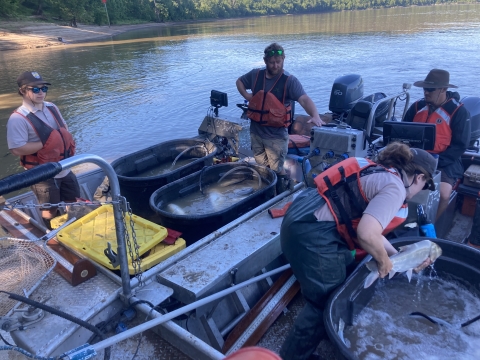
(472, 104)
(346, 91)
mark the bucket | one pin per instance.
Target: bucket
(136, 171)
(253, 353)
(194, 226)
(458, 261)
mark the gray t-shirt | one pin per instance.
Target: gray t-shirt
(385, 193)
(294, 91)
(19, 129)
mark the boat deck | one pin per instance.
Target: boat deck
(85, 296)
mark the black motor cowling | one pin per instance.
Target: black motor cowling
(472, 104)
(346, 91)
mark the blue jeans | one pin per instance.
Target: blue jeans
(319, 261)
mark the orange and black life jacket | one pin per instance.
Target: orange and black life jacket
(268, 108)
(340, 186)
(58, 143)
(441, 117)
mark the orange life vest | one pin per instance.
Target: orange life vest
(58, 143)
(268, 107)
(441, 117)
(340, 186)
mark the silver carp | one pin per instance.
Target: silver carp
(408, 258)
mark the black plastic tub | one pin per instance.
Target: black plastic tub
(138, 189)
(458, 261)
(195, 227)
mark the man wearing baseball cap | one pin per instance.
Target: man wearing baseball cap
(444, 109)
(37, 133)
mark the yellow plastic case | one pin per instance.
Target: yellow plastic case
(58, 221)
(90, 234)
(158, 254)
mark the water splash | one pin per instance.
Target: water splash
(384, 330)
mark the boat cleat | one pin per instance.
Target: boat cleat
(21, 321)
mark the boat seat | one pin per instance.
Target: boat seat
(298, 144)
(357, 118)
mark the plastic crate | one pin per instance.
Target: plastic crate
(58, 221)
(90, 234)
(159, 253)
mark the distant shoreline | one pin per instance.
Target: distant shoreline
(25, 34)
(36, 35)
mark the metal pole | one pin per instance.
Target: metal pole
(117, 213)
(160, 320)
(105, 3)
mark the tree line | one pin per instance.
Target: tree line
(124, 11)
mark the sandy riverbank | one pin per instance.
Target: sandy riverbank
(32, 35)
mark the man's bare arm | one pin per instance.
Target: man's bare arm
(242, 90)
(311, 110)
(27, 149)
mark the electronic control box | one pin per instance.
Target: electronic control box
(332, 144)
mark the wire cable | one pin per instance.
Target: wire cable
(63, 315)
(5, 341)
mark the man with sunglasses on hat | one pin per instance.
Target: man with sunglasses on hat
(37, 133)
(270, 108)
(443, 108)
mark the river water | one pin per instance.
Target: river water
(149, 86)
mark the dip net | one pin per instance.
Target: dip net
(23, 265)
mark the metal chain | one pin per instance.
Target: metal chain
(18, 205)
(136, 259)
(125, 206)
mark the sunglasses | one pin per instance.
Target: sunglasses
(36, 90)
(273, 53)
(429, 89)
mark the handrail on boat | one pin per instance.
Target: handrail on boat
(49, 170)
(117, 214)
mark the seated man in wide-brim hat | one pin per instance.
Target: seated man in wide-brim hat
(444, 109)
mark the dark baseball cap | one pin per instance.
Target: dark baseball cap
(427, 162)
(31, 78)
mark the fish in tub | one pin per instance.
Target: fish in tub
(407, 259)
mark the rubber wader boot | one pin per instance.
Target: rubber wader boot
(283, 184)
(474, 238)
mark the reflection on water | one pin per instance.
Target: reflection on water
(384, 330)
(215, 197)
(153, 85)
(164, 168)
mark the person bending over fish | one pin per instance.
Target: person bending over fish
(355, 203)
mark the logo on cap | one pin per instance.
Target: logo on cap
(36, 75)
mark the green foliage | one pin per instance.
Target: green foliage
(129, 11)
(9, 7)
